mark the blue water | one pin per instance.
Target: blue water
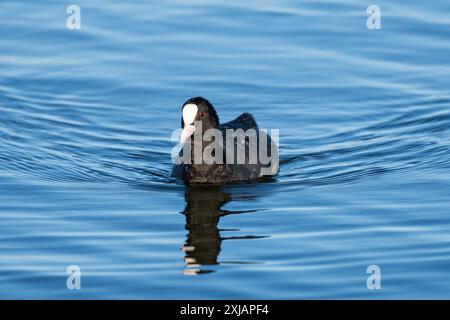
(85, 123)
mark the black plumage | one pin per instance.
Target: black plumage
(216, 173)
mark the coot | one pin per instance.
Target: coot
(241, 151)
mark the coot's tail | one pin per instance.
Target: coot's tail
(245, 121)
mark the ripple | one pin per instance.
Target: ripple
(85, 124)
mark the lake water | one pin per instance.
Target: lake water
(86, 118)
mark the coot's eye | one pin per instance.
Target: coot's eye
(201, 114)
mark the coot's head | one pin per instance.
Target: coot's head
(197, 110)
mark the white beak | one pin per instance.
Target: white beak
(189, 113)
(188, 130)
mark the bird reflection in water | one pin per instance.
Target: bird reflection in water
(203, 212)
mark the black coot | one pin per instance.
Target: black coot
(198, 115)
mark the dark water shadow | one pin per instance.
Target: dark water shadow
(203, 212)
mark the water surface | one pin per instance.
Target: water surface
(86, 118)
